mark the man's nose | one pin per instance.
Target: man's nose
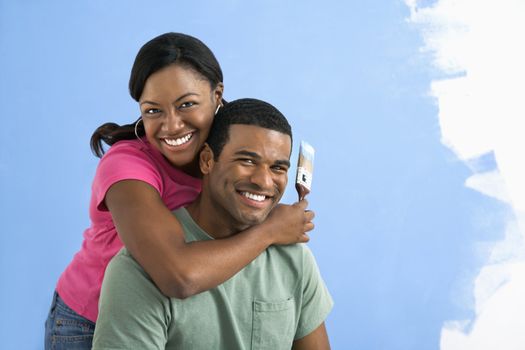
(262, 177)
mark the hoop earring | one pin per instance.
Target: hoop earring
(217, 110)
(136, 132)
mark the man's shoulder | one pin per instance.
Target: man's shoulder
(291, 261)
(297, 251)
(123, 261)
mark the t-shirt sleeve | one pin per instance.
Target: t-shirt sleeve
(124, 162)
(317, 301)
(133, 313)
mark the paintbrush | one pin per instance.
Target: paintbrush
(305, 169)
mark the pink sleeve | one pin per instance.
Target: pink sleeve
(124, 162)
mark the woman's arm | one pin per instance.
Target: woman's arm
(153, 235)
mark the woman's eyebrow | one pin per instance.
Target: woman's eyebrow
(149, 103)
(186, 95)
(177, 100)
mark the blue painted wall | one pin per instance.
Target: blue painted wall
(396, 227)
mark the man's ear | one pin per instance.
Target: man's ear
(206, 159)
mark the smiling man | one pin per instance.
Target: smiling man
(278, 301)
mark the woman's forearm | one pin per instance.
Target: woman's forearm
(203, 265)
(155, 238)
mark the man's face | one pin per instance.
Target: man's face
(250, 175)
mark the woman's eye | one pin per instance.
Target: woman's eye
(187, 104)
(151, 111)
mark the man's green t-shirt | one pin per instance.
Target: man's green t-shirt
(278, 297)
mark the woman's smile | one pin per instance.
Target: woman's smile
(173, 141)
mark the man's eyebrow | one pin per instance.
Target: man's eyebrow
(248, 154)
(283, 162)
(257, 156)
(177, 100)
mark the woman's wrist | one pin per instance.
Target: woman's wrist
(262, 233)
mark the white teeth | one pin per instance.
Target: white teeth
(179, 141)
(255, 197)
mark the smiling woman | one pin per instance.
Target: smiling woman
(176, 106)
(150, 170)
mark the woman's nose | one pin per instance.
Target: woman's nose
(173, 122)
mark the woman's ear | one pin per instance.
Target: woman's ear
(206, 159)
(219, 92)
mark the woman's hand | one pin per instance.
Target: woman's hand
(288, 224)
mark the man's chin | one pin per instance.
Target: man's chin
(252, 220)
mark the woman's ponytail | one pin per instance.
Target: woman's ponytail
(110, 133)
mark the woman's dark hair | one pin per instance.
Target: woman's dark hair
(160, 52)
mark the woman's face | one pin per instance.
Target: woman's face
(177, 107)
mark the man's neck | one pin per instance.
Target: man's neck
(210, 220)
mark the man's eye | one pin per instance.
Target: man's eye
(280, 169)
(247, 161)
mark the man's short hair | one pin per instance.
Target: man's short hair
(245, 111)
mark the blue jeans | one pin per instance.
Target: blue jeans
(65, 329)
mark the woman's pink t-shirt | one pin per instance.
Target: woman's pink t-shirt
(79, 285)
